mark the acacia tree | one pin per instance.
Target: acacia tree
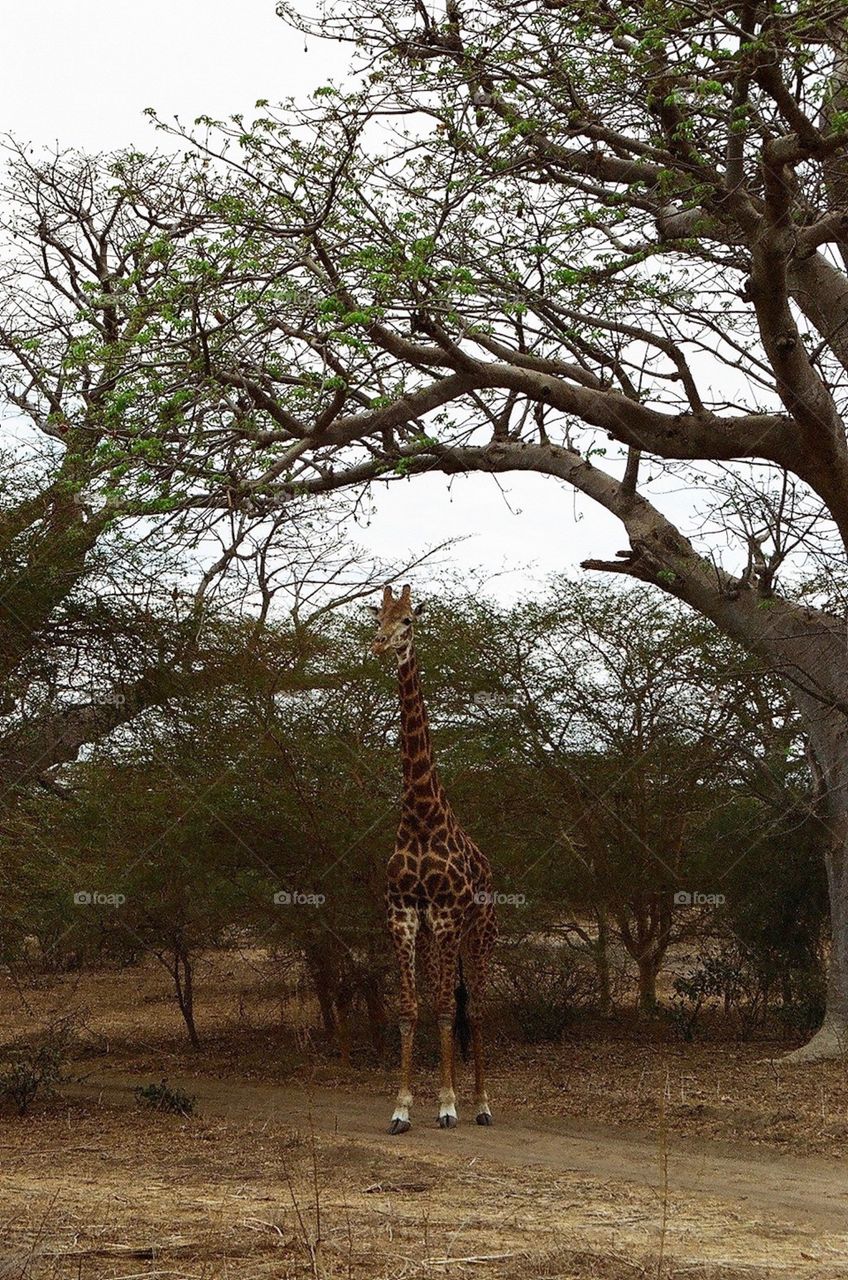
(529, 232)
(634, 719)
(102, 614)
(128, 578)
(644, 754)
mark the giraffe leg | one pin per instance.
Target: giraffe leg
(403, 924)
(475, 966)
(447, 1094)
(427, 955)
(482, 1112)
(448, 952)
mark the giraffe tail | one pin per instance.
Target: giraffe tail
(461, 1023)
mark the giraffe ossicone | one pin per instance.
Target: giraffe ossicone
(439, 891)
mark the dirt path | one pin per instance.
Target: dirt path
(798, 1192)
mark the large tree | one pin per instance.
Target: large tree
(635, 752)
(104, 611)
(535, 229)
(129, 579)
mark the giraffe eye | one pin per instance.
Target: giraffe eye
(407, 622)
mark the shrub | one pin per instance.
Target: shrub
(750, 990)
(33, 1069)
(539, 987)
(804, 1012)
(165, 1098)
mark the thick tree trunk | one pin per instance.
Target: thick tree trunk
(602, 964)
(649, 966)
(324, 987)
(644, 926)
(829, 759)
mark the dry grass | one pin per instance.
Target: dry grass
(727, 1092)
(617, 1074)
(91, 1191)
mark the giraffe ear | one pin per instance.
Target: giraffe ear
(375, 609)
(419, 609)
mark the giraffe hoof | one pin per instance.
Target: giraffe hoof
(447, 1122)
(484, 1118)
(399, 1126)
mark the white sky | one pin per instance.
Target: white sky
(82, 74)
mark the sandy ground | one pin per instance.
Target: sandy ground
(607, 1159)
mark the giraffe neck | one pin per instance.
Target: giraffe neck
(420, 779)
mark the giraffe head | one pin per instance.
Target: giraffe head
(395, 619)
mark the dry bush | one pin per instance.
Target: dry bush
(538, 988)
(33, 1067)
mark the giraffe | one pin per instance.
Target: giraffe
(439, 896)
